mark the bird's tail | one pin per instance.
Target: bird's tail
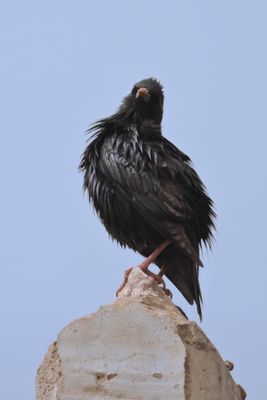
(183, 273)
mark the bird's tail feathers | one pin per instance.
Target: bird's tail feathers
(183, 273)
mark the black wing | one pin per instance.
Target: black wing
(160, 184)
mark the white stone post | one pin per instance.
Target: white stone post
(140, 347)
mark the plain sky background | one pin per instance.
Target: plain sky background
(65, 64)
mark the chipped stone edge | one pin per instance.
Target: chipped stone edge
(188, 332)
(48, 381)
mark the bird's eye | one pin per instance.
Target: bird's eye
(135, 88)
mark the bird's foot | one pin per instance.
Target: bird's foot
(168, 292)
(126, 274)
(157, 278)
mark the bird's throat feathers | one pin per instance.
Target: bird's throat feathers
(124, 121)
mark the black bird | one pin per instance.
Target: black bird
(146, 192)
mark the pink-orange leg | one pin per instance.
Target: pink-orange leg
(145, 265)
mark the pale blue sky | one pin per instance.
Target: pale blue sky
(65, 64)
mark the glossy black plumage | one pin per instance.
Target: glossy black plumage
(145, 190)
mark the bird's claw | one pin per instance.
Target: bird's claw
(126, 275)
(168, 292)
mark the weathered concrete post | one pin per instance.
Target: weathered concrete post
(138, 348)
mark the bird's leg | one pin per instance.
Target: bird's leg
(162, 270)
(150, 259)
(144, 267)
(160, 274)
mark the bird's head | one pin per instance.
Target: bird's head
(146, 101)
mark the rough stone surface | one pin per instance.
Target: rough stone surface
(49, 375)
(140, 347)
